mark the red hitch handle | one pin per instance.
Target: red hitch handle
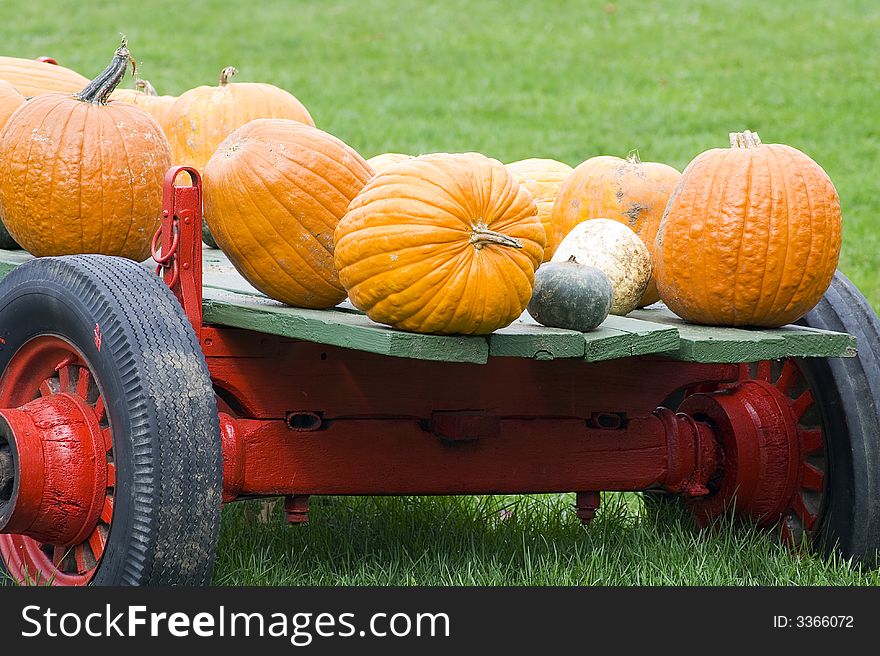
(179, 259)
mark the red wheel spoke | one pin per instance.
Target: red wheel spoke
(802, 403)
(79, 555)
(108, 438)
(58, 556)
(811, 440)
(82, 383)
(64, 378)
(46, 387)
(812, 478)
(100, 410)
(787, 376)
(107, 511)
(111, 475)
(807, 518)
(745, 371)
(763, 370)
(97, 543)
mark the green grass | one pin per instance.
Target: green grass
(525, 540)
(553, 78)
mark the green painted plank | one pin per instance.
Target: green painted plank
(606, 343)
(334, 328)
(716, 344)
(647, 337)
(526, 339)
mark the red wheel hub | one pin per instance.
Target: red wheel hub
(774, 465)
(57, 474)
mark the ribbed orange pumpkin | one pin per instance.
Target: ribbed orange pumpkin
(274, 192)
(543, 178)
(750, 237)
(35, 78)
(629, 190)
(381, 162)
(203, 117)
(10, 100)
(441, 244)
(144, 95)
(81, 176)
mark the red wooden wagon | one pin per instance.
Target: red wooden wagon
(131, 408)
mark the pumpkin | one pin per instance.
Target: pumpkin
(442, 244)
(543, 178)
(274, 192)
(571, 295)
(751, 236)
(203, 117)
(10, 100)
(628, 190)
(615, 250)
(144, 95)
(81, 175)
(35, 78)
(381, 162)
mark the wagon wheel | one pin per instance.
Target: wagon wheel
(823, 479)
(110, 467)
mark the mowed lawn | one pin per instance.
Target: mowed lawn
(560, 79)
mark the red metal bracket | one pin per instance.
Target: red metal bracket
(180, 257)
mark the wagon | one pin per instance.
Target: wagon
(133, 405)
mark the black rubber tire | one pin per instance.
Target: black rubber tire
(847, 392)
(160, 402)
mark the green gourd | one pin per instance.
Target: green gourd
(571, 295)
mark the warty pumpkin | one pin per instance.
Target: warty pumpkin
(145, 96)
(441, 244)
(543, 178)
(83, 176)
(628, 190)
(751, 236)
(381, 162)
(274, 192)
(203, 117)
(35, 78)
(10, 100)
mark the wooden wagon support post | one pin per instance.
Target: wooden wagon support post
(199, 389)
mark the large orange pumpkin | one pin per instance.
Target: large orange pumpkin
(750, 237)
(203, 117)
(82, 176)
(144, 95)
(35, 78)
(381, 162)
(10, 100)
(274, 192)
(629, 190)
(543, 178)
(441, 244)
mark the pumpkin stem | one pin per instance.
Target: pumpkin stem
(633, 157)
(481, 235)
(747, 139)
(146, 88)
(99, 89)
(227, 73)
